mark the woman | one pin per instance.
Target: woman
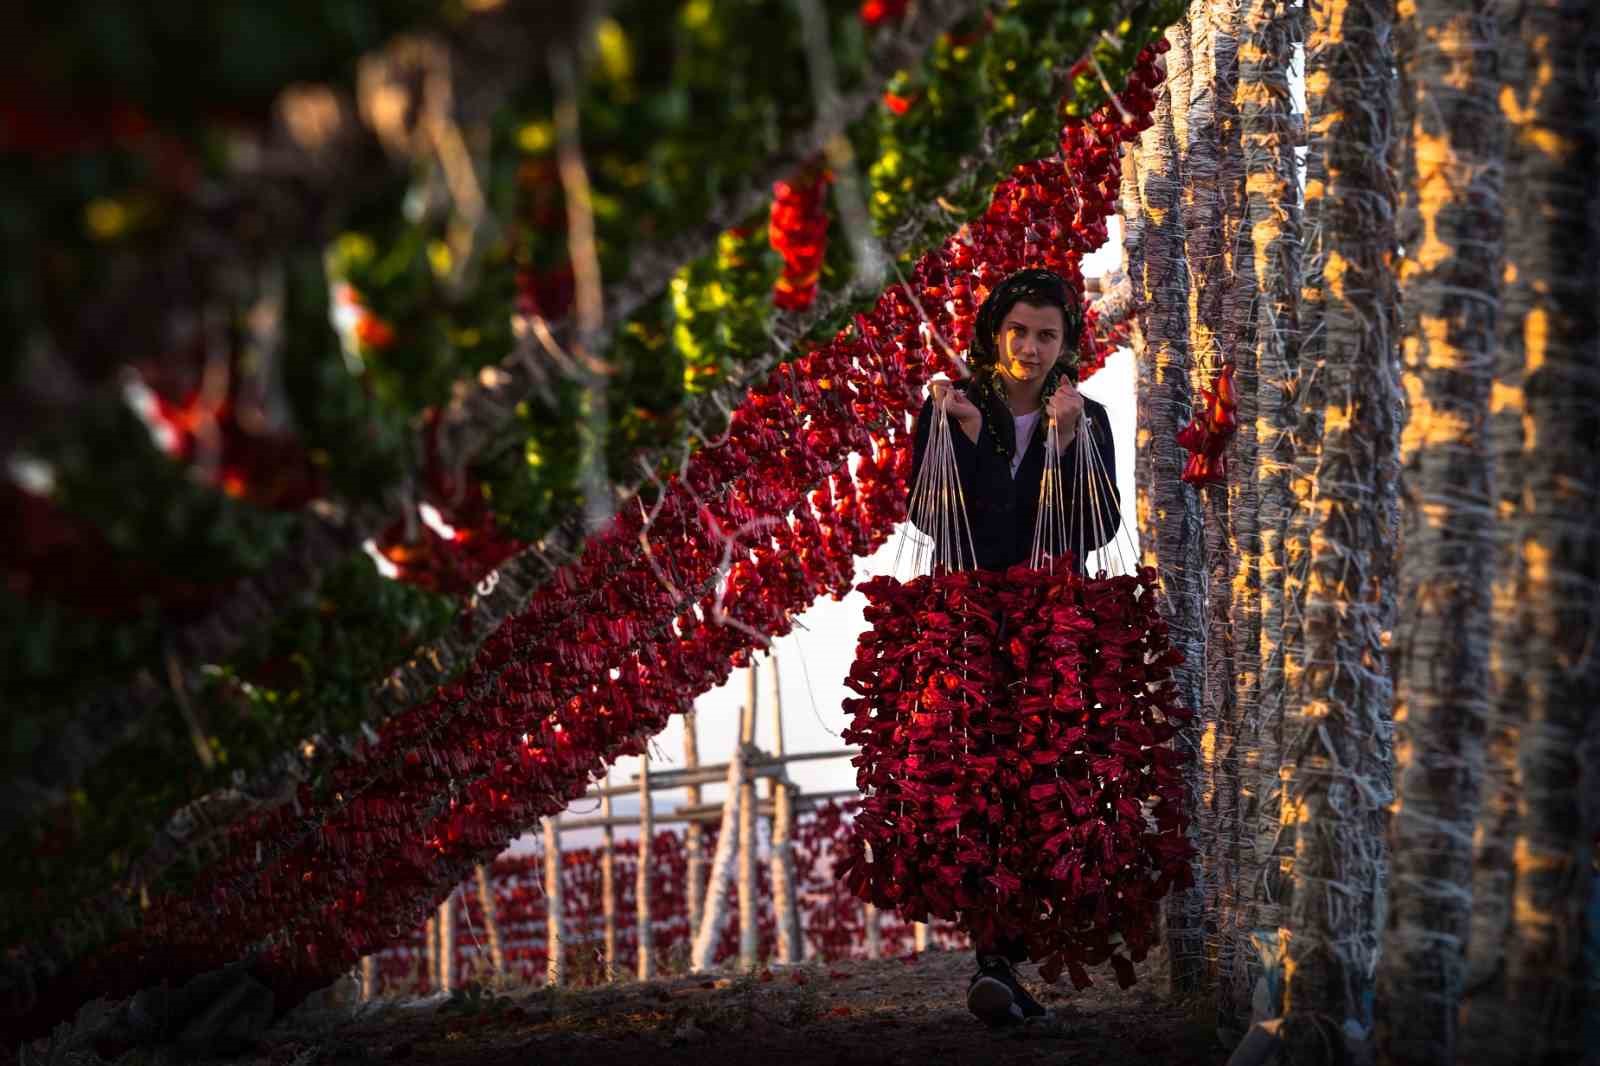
(1023, 360)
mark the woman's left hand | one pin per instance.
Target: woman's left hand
(1065, 409)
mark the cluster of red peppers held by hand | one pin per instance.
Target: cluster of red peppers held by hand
(1013, 730)
(1206, 436)
(810, 474)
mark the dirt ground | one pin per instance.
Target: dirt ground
(906, 1011)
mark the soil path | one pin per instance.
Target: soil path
(901, 1011)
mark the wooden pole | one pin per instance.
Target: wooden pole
(491, 921)
(874, 936)
(555, 969)
(608, 884)
(430, 954)
(919, 936)
(717, 888)
(369, 977)
(641, 892)
(784, 906)
(694, 839)
(447, 943)
(749, 943)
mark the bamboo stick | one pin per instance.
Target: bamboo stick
(491, 921)
(555, 935)
(717, 889)
(783, 873)
(641, 892)
(430, 954)
(748, 942)
(608, 884)
(694, 834)
(447, 944)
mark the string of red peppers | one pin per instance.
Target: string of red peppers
(1206, 436)
(751, 532)
(877, 12)
(453, 559)
(798, 231)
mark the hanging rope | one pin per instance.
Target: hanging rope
(938, 506)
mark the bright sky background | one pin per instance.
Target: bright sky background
(814, 659)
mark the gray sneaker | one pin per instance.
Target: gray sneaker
(997, 998)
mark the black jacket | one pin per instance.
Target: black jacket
(1001, 508)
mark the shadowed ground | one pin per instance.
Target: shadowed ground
(907, 1011)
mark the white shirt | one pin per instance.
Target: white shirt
(1024, 424)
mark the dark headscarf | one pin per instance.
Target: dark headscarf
(1037, 288)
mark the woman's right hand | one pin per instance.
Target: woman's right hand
(954, 402)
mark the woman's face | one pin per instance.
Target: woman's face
(1029, 342)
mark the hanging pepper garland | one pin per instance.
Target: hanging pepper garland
(877, 12)
(1005, 786)
(799, 233)
(1096, 707)
(453, 561)
(1207, 434)
(246, 460)
(618, 642)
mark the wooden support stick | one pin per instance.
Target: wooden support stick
(608, 883)
(919, 936)
(647, 830)
(874, 937)
(749, 944)
(555, 969)
(447, 943)
(694, 839)
(369, 977)
(800, 801)
(721, 881)
(430, 953)
(786, 910)
(491, 921)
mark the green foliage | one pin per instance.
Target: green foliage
(361, 443)
(530, 470)
(109, 473)
(919, 151)
(128, 106)
(241, 52)
(720, 304)
(717, 312)
(149, 518)
(684, 102)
